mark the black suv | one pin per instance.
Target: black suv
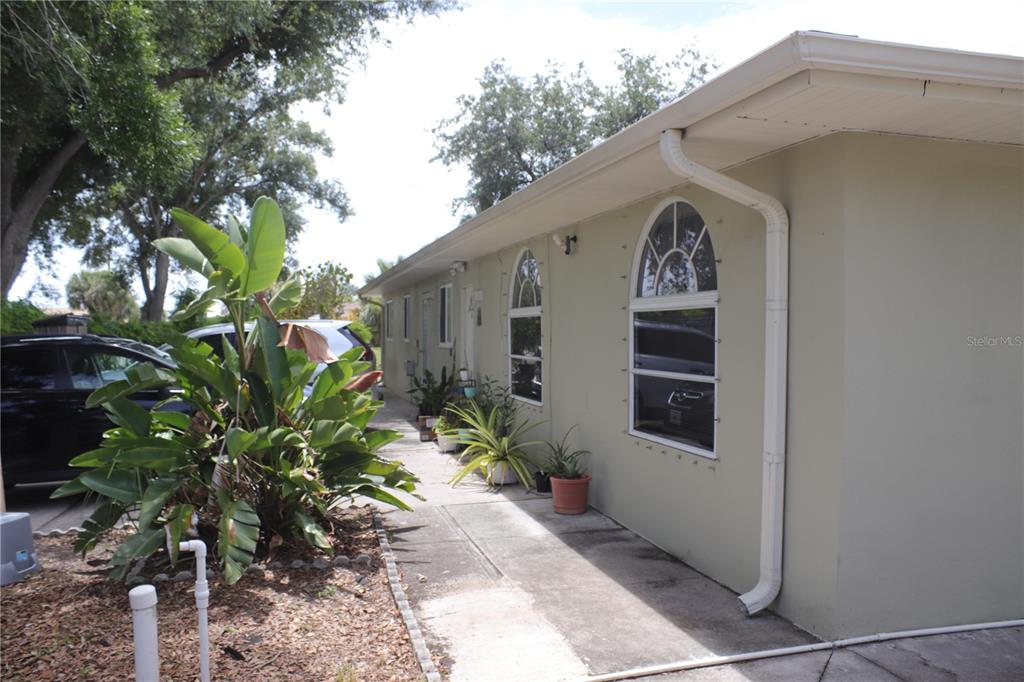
(43, 386)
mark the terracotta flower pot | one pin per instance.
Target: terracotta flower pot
(570, 494)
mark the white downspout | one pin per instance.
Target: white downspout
(775, 348)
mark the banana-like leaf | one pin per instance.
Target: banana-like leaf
(264, 249)
(142, 544)
(308, 340)
(327, 432)
(375, 440)
(186, 253)
(99, 522)
(313, 533)
(381, 495)
(287, 295)
(236, 233)
(179, 520)
(275, 361)
(138, 377)
(262, 401)
(72, 487)
(213, 243)
(239, 440)
(94, 458)
(124, 412)
(239, 531)
(118, 484)
(153, 500)
(177, 420)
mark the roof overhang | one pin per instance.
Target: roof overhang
(806, 86)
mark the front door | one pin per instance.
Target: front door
(424, 341)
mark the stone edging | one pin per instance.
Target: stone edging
(411, 624)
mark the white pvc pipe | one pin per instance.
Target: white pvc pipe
(147, 646)
(198, 547)
(713, 661)
(776, 349)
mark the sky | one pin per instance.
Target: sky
(382, 132)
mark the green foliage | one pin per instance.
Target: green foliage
(103, 293)
(361, 331)
(516, 130)
(326, 288)
(430, 394)
(489, 447)
(16, 317)
(174, 103)
(562, 461)
(266, 454)
(153, 333)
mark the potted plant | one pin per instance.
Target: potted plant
(494, 448)
(430, 396)
(447, 440)
(570, 484)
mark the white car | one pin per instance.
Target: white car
(338, 336)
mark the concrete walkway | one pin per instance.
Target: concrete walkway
(510, 591)
(46, 514)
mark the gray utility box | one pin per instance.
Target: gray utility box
(17, 552)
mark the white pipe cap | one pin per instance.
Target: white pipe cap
(142, 597)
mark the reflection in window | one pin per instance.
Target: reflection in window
(92, 370)
(27, 369)
(525, 340)
(677, 255)
(673, 365)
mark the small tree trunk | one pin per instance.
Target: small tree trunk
(16, 230)
(153, 308)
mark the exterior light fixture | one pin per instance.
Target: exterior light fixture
(457, 266)
(564, 242)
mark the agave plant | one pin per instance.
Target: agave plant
(492, 443)
(564, 462)
(262, 454)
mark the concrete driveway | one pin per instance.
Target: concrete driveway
(510, 591)
(46, 514)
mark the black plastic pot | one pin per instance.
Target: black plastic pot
(542, 482)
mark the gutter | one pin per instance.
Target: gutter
(776, 347)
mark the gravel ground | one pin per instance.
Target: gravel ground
(70, 622)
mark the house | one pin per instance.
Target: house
(787, 313)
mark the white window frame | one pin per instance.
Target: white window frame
(406, 303)
(388, 309)
(532, 311)
(445, 328)
(701, 299)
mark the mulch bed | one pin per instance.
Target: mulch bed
(71, 622)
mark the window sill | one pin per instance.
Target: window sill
(526, 400)
(445, 345)
(675, 445)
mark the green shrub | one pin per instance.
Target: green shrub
(263, 457)
(16, 317)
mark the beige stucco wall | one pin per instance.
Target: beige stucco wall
(932, 522)
(848, 431)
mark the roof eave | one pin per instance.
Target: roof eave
(797, 52)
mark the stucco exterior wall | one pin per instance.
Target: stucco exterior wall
(884, 510)
(932, 522)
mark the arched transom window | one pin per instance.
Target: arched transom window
(524, 336)
(674, 314)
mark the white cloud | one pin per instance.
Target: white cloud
(383, 144)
